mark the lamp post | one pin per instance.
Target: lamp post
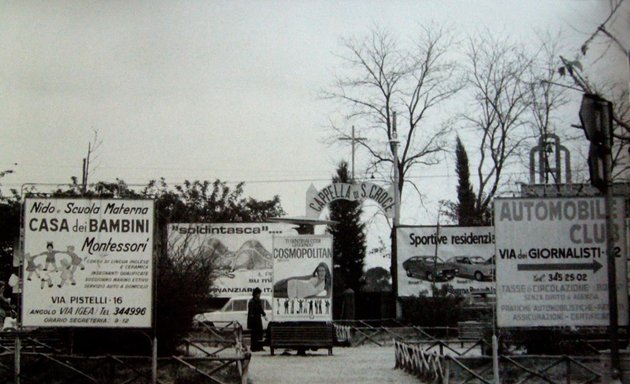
(393, 142)
(596, 118)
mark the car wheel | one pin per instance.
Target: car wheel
(409, 274)
(429, 276)
(478, 276)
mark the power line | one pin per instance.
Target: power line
(269, 181)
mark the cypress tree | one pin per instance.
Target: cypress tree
(466, 210)
(349, 244)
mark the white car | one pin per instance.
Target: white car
(234, 310)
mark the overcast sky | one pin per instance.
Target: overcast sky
(209, 89)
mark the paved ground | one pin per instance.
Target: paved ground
(365, 365)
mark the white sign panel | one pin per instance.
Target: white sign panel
(240, 252)
(464, 261)
(552, 263)
(88, 263)
(302, 272)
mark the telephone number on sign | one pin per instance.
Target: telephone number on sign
(130, 311)
(568, 277)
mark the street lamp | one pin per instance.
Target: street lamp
(596, 118)
(393, 143)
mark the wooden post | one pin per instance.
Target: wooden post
(245, 372)
(16, 363)
(154, 359)
(495, 359)
(447, 370)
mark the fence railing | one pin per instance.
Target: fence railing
(434, 365)
(381, 332)
(209, 355)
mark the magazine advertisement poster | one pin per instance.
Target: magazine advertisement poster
(302, 273)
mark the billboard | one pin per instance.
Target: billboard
(88, 263)
(464, 263)
(240, 253)
(302, 278)
(552, 262)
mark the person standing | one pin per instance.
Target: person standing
(254, 321)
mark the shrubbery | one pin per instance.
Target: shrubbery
(442, 309)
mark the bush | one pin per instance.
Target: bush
(439, 310)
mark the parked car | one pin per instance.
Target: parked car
(429, 268)
(473, 267)
(234, 310)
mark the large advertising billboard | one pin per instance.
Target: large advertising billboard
(240, 253)
(302, 278)
(88, 263)
(464, 263)
(552, 261)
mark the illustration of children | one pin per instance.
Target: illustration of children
(31, 267)
(50, 256)
(46, 278)
(66, 273)
(76, 261)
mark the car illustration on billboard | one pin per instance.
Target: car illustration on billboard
(429, 268)
(473, 267)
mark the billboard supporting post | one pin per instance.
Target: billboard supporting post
(18, 351)
(154, 359)
(610, 254)
(495, 359)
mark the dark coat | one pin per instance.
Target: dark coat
(254, 314)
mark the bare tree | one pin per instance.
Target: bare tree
(93, 146)
(502, 95)
(546, 100)
(575, 72)
(384, 78)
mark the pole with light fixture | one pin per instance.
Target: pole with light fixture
(394, 142)
(596, 118)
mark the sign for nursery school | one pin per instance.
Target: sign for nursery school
(465, 259)
(552, 261)
(316, 200)
(240, 253)
(302, 278)
(88, 263)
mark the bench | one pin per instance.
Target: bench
(301, 336)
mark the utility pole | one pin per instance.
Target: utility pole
(596, 118)
(353, 140)
(393, 142)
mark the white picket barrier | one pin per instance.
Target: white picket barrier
(428, 366)
(344, 333)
